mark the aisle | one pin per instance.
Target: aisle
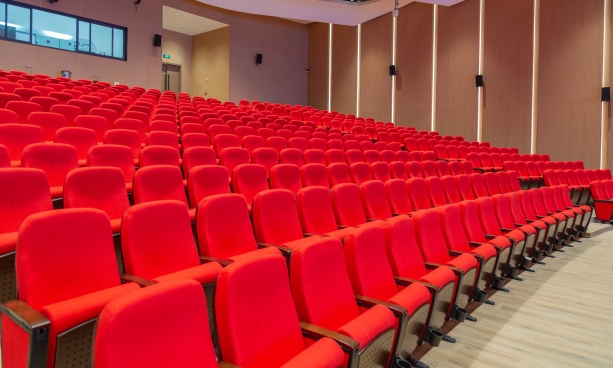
(560, 316)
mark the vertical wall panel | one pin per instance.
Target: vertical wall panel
(609, 126)
(344, 68)
(317, 95)
(458, 63)
(375, 81)
(414, 66)
(570, 73)
(507, 72)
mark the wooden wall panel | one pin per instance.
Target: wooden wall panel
(507, 70)
(211, 60)
(344, 68)
(570, 73)
(317, 95)
(609, 122)
(414, 66)
(458, 63)
(375, 81)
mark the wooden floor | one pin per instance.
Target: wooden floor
(560, 316)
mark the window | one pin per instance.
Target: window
(24, 23)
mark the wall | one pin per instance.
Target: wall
(211, 64)
(318, 65)
(283, 43)
(344, 69)
(444, 52)
(179, 47)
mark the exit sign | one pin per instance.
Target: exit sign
(166, 56)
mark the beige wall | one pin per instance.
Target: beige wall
(179, 47)
(319, 35)
(283, 43)
(211, 64)
(344, 69)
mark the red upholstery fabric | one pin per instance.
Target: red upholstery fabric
(23, 109)
(429, 237)
(198, 156)
(291, 156)
(398, 197)
(418, 193)
(111, 155)
(275, 218)
(401, 247)
(456, 239)
(338, 173)
(314, 175)
(49, 122)
(346, 205)
(476, 181)
(159, 155)
(374, 201)
(360, 172)
(14, 349)
(314, 207)
(249, 180)
(56, 160)
(102, 188)
(96, 123)
(286, 176)
(17, 136)
(435, 191)
(158, 182)
(379, 171)
(325, 353)
(205, 181)
(82, 139)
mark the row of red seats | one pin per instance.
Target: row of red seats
(578, 180)
(602, 193)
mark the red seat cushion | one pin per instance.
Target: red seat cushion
(412, 297)
(501, 241)
(440, 276)
(57, 192)
(116, 225)
(325, 353)
(204, 274)
(367, 326)
(8, 242)
(486, 250)
(464, 262)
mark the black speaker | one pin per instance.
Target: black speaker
(258, 58)
(392, 70)
(157, 40)
(606, 94)
(479, 80)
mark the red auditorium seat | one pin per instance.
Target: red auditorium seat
(165, 139)
(8, 117)
(249, 180)
(110, 115)
(205, 181)
(23, 109)
(74, 248)
(583, 213)
(96, 123)
(232, 157)
(491, 184)
(467, 167)
(397, 170)
(49, 122)
(115, 156)
(267, 157)
(286, 176)
(413, 170)
(158, 155)
(56, 160)
(379, 171)
(418, 193)
(503, 180)
(69, 112)
(514, 181)
(102, 188)
(291, 156)
(353, 156)
(569, 216)
(158, 183)
(334, 156)
(478, 185)
(46, 103)
(260, 275)
(360, 172)
(119, 340)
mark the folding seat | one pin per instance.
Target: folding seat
(418, 193)
(135, 125)
(397, 170)
(23, 109)
(386, 156)
(334, 156)
(222, 141)
(8, 117)
(96, 123)
(314, 156)
(427, 168)
(110, 115)
(81, 139)
(163, 126)
(160, 183)
(607, 174)
(402, 156)
(455, 168)
(320, 135)
(570, 165)
(590, 175)
(9, 87)
(491, 184)
(434, 251)
(560, 165)
(381, 146)
(347, 207)
(252, 142)
(24, 193)
(505, 157)
(278, 143)
(114, 156)
(465, 187)
(267, 157)
(524, 175)
(602, 203)
(503, 180)
(534, 173)
(286, 176)
(581, 193)
(159, 155)
(215, 130)
(190, 140)
(291, 156)
(478, 185)
(56, 160)
(450, 189)
(351, 145)
(467, 167)
(583, 213)
(360, 172)
(266, 133)
(260, 274)
(599, 174)
(338, 173)
(441, 152)
(367, 146)
(413, 169)
(314, 175)
(205, 181)
(127, 317)
(102, 188)
(442, 168)
(428, 156)
(49, 122)
(416, 156)
(379, 171)
(410, 144)
(531, 203)
(434, 188)
(353, 156)
(422, 144)
(578, 164)
(44, 102)
(550, 207)
(233, 156)
(541, 166)
(83, 267)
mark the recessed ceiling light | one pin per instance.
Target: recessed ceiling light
(200, 21)
(176, 15)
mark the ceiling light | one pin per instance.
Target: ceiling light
(61, 36)
(200, 21)
(176, 15)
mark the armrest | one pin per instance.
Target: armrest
(480, 169)
(370, 220)
(518, 225)
(455, 253)
(284, 250)
(341, 227)
(139, 280)
(24, 316)
(227, 365)
(404, 281)
(603, 200)
(490, 236)
(367, 302)
(549, 213)
(539, 217)
(474, 244)
(396, 214)
(308, 235)
(315, 333)
(432, 265)
(506, 229)
(207, 259)
(530, 221)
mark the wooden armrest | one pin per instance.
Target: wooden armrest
(227, 365)
(314, 332)
(139, 280)
(474, 244)
(518, 225)
(530, 221)
(539, 217)
(207, 259)
(479, 169)
(603, 200)
(284, 250)
(405, 281)
(506, 229)
(490, 236)
(308, 235)
(364, 301)
(455, 253)
(550, 213)
(432, 265)
(24, 316)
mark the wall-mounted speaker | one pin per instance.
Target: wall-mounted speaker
(157, 40)
(606, 94)
(479, 80)
(258, 58)
(392, 70)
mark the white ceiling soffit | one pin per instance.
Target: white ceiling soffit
(187, 23)
(325, 11)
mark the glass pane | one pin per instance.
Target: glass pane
(102, 40)
(83, 36)
(54, 30)
(2, 19)
(18, 23)
(118, 43)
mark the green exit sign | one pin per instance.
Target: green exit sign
(166, 56)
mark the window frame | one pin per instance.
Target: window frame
(3, 37)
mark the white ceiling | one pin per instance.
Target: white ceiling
(325, 11)
(187, 23)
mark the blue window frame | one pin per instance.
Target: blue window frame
(29, 24)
